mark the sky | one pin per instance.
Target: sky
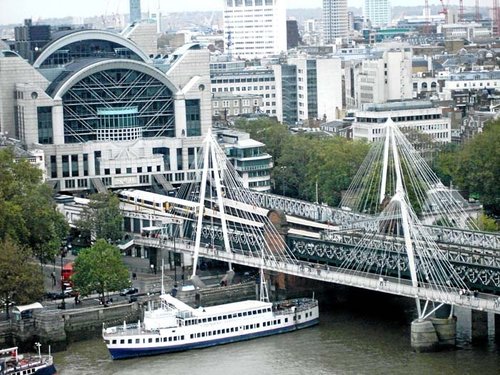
(15, 11)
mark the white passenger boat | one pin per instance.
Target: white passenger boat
(175, 326)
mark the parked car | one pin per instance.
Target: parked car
(128, 291)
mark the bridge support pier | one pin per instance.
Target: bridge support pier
(497, 327)
(433, 334)
(423, 336)
(479, 325)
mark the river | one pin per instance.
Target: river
(365, 334)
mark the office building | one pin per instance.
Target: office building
(378, 12)
(108, 117)
(335, 21)
(381, 76)
(135, 11)
(254, 28)
(421, 116)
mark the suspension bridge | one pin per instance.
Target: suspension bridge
(375, 241)
(393, 252)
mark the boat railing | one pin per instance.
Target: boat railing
(123, 329)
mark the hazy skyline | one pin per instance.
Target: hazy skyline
(15, 11)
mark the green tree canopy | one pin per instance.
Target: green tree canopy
(27, 212)
(303, 160)
(22, 281)
(475, 167)
(100, 269)
(102, 217)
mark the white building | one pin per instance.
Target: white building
(379, 78)
(254, 28)
(378, 12)
(335, 20)
(421, 116)
(471, 81)
(250, 160)
(319, 82)
(257, 81)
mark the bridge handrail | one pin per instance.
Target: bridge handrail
(448, 295)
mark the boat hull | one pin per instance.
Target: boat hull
(130, 352)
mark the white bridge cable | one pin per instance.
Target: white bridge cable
(249, 232)
(422, 186)
(372, 255)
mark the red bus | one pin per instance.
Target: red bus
(66, 273)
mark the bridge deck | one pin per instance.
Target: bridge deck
(452, 296)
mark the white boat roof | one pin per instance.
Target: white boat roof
(179, 305)
(231, 307)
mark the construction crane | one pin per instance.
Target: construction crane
(444, 9)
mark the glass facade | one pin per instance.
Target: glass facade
(289, 84)
(118, 124)
(118, 98)
(312, 89)
(193, 123)
(88, 48)
(45, 134)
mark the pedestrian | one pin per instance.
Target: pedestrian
(53, 277)
(134, 276)
(152, 268)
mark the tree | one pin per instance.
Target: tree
(475, 167)
(478, 167)
(21, 280)
(102, 217)
(100, 269)
(27, 212)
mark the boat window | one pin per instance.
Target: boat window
(157, 339)
(198, 335)
(224, 317)
(223, 331)
(236, 329)
(214, 333)
(279, 321)
(182, 337)
(170, 339)
(129, 341)
(219, 318)
(258, 325)
(203, 334)
(175, 338)
(114, 341)
(137, 341)
(218, 331)
(286, 320)
(244, 313)
(164, 339)
(259, 311)
(254, 312)
(239, 314)
(204, 320)
(122, 341)
(199, 321)
(274, 322)
(300, 317)
(150, 340)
